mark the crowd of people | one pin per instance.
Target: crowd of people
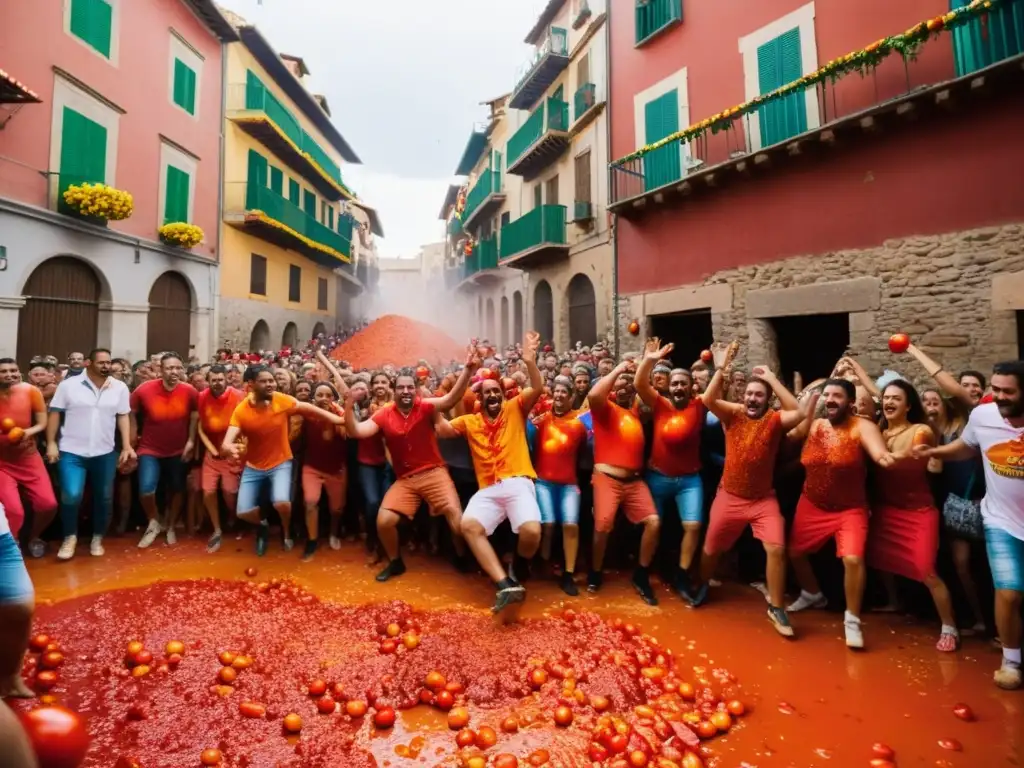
(503, 454)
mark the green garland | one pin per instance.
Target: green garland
(906, 45)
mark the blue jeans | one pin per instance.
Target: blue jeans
(151, 469)
(72, 471)
(687, 490)
(374, 480)
(15, 585)
(1005, 558)
(278, 478)
(558, 503)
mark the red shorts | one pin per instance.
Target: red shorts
(610, 493)
(28, 473)
(315, 482)
(730, 514)
(225, 472)
(904, 541)
(814, 526)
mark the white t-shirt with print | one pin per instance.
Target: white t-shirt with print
(1002, 452)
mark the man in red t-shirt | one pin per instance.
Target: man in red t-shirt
(216, 405)
(22, 418)
(408, 429)
(169, 418)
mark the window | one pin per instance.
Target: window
(656, 16)
(84, 145)
(551, 191)
(583, 70)
(294, 191)
(582, 173)
(83, 152)
(92, 22)
(661, 119)
(184, 86)
(176, 195)
(779, 63)
(277, 180)
(186, 72)
(330, 217)
(309, 203)
(321, 294)
(323, 211)
(538, 196)
(294, 283)
(983, 41)
(506, 217)
(258, 275)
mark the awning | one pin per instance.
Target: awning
(13, 91)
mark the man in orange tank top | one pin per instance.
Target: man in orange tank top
(834, 502)
(746, 496)
(618, 479)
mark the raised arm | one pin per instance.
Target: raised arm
(332, 369)
(311, 411)
(453, 398)
(599, 393)
(443, 427)
(723, 355)
(947, 383)
(360, 430)
(532, 393)
(653, 352)
(862, 376)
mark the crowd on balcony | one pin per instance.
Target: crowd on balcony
(717, 471)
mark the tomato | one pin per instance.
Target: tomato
(538, 676)
(563, 717)
(58, 736)
(634, 328)
(46, 679)
(226, 658)
(144, 657)
(505, 760)
(486, 737)
(388, 647)
(7, 424)
(706, 729)
(899, 343)
(355, 708)
(292, 723)
(39, 642)
(174, 647)
(426, 696)
(721, 720)
(227, 675)
(338, 692)
(174, 660)
(691, 760)
(476, 762)
(638, 759)
(211, 757)
(454, 688)
(317, 688)
(458, 718)
(250, 572)
(600, 703)
(539, 757)
(410, 640)
(597, 752)
(465, 737)
(141, 671)
(964, 712)
(617, 743)
(325, 705)
(444, 700)
(687, 692)
(242, 662)
(735, 707)
(510, 725)
(878, 762)
(393, 630)
(435, 681)
(384, 717)
(644, 712)
(51, 660)
(951, 744)
(883, 751)
(422, 372)
(252, 709)
(706, 356)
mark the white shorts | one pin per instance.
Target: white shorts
(514, 499)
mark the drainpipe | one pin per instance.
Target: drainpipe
(215, 273)
(613, 234)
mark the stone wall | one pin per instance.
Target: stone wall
(238, 317)
(955, 294)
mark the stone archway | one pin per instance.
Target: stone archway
(290, 337)
(504, 322)
(259, 339)
(318, 329)
(489, 322)
(517, 316)
(544, 312)
(169, 327)
(582, 310)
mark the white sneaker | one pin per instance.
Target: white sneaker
(37, 548)
(335, 542)
(67, 548)
(152, 531)
(807, 600)
(172, 537)
(854, 634)
(96, 547)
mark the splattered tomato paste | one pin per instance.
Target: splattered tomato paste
(240, 674)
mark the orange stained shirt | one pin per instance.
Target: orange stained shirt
(675, 447)
(751, 447)
(499, 448)
(558, 446)
(618, 436)
(905, 484)
(266, 429)
(215, 413)
(22, 403)
(836, 466)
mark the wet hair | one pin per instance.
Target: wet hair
(92, 353)
(915, 410)
(974, 375)
(845, 385)
(253, 372)
(1013, 368)
(327, 384)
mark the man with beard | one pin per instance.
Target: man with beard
(996, 431)
(618, 480)
(217, 403)
(76, 364)
(92, 406)
(673, 469)
(166, 444)
(263, 419)
(581, 386)
(408, 429)
(505, 475)
(22, 418)
(834, 501)
(753, 433)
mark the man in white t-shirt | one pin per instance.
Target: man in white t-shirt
(996, 431)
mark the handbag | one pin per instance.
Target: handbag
(961, 516)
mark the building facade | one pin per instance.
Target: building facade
(287, 268)
(810, 211)
(530, 241)
(125, 94)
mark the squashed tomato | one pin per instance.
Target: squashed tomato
(252, 709)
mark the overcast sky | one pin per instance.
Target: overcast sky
(404, 79)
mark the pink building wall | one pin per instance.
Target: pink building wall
(33, 42)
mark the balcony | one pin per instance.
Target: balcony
(549, 61)
(485, 197)
(540, 140)
(535, 238)
(254, 108)
(481, 266)
(263, 213)
(656, 16)
(584, 100)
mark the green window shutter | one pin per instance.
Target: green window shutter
(176, 195)
(294, 192)
(277, 180)
(661, 119)
(92, 21)
(253, 91)
(330, 218)
(257, 179)
(184, 86)
(780, 62)
(190, 90)
(309, 203)
(83, 151)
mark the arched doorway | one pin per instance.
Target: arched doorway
(169, 328)
(318, 329)
(517, 316)
(582, 310)
(480, 330)
(259, 339)
(504, 321)
(489, 321)
(290, 337)
(61, 312)
(544, 312)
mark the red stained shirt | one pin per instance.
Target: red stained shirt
(558, 446)
(410, 440)
(751, 447)
(675, 449)
(325, 445)
(22, 403)
(618, 437)
(166, 414)
(215, 413)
